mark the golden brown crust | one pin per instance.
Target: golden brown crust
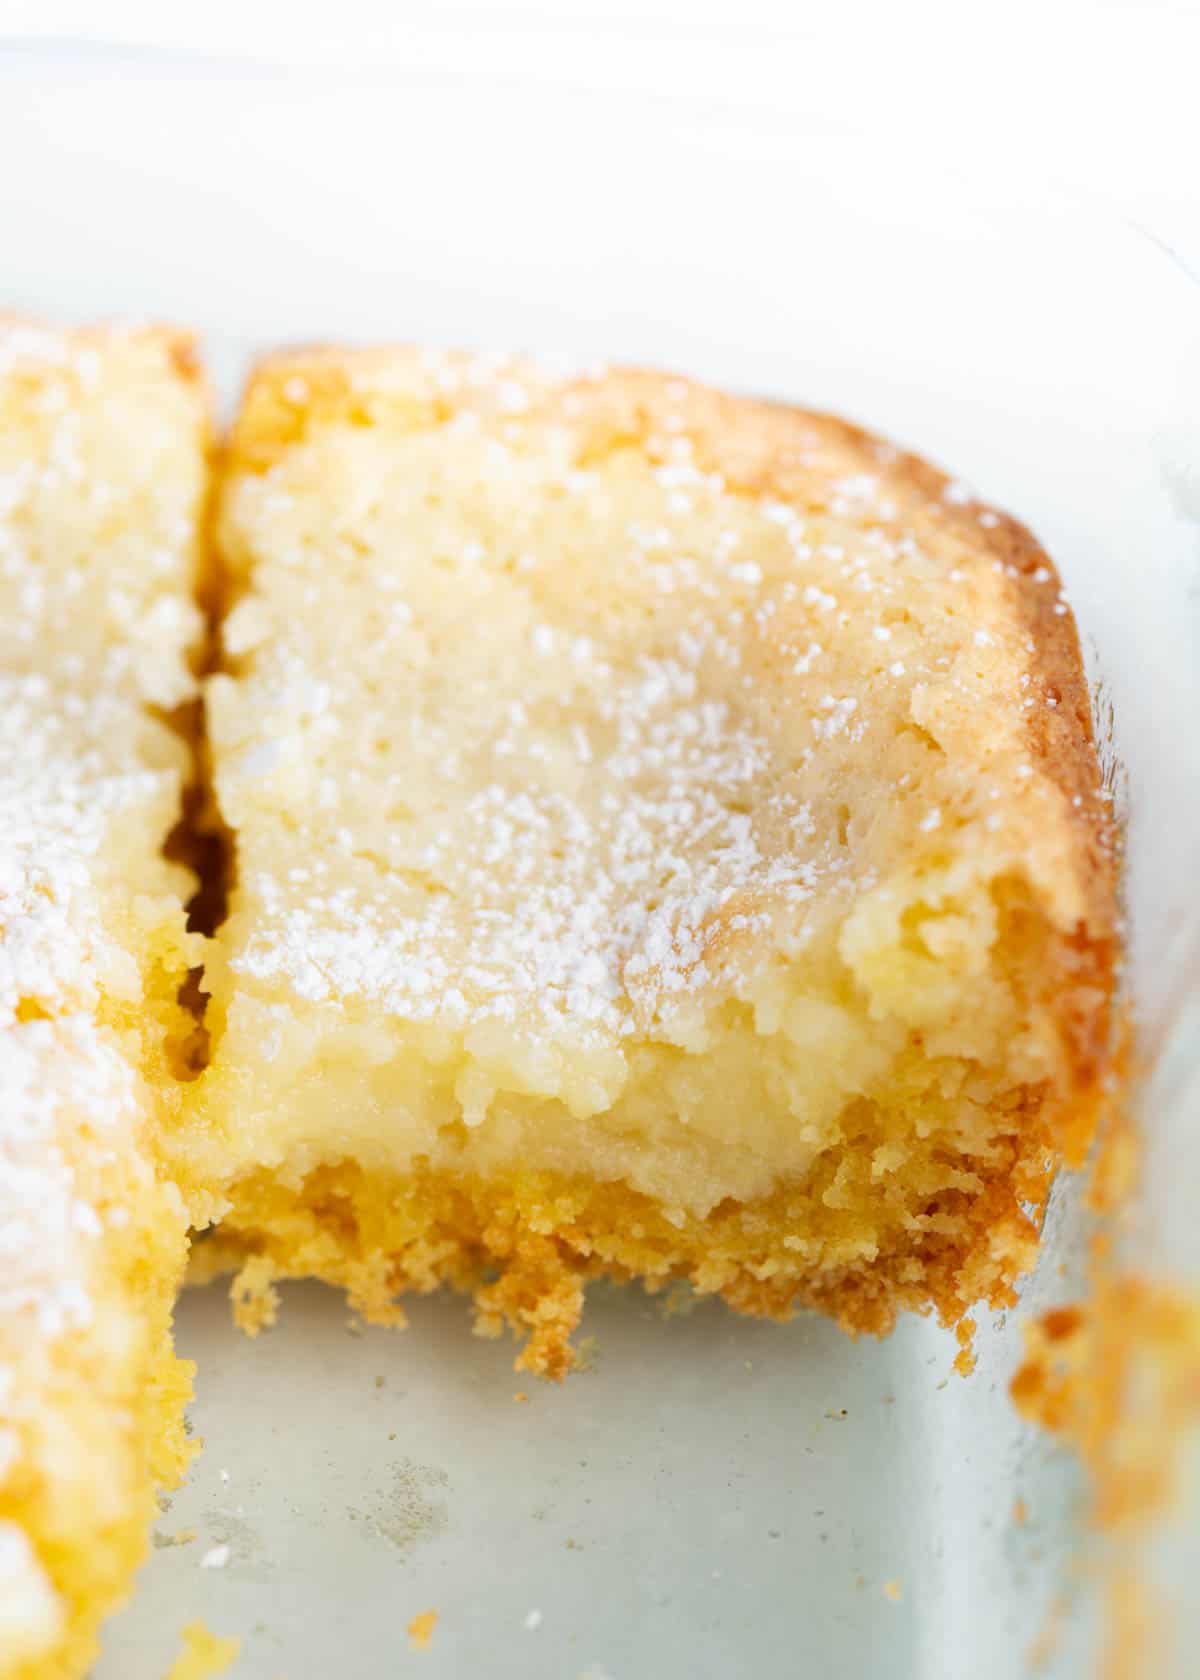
(524, 1244)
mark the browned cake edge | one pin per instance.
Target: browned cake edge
(1062, 743)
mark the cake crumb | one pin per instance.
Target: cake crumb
(420, 1630)
(520, 1397)
(678, 1299)
(203, 1655)
(533, 1620)
(163, 1541)
(216, 1557)
(1020, 1512)
(893, 1590)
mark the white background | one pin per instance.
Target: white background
(1103, 97)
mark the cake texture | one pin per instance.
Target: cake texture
(102, 471)
(668, 843)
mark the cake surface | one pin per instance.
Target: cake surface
(668, 842)
(102, 469)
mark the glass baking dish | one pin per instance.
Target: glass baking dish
(711, 1497)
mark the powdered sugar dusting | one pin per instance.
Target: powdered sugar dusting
(61, 1081)
(588, 903)
(69, 770)
(608, 729)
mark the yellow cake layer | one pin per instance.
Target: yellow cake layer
(670, 801)
(103, 439)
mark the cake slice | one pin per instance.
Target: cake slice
(668, 843)
(103, 439)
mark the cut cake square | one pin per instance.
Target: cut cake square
(669, 843)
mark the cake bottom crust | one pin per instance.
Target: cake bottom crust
(524, 1246)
